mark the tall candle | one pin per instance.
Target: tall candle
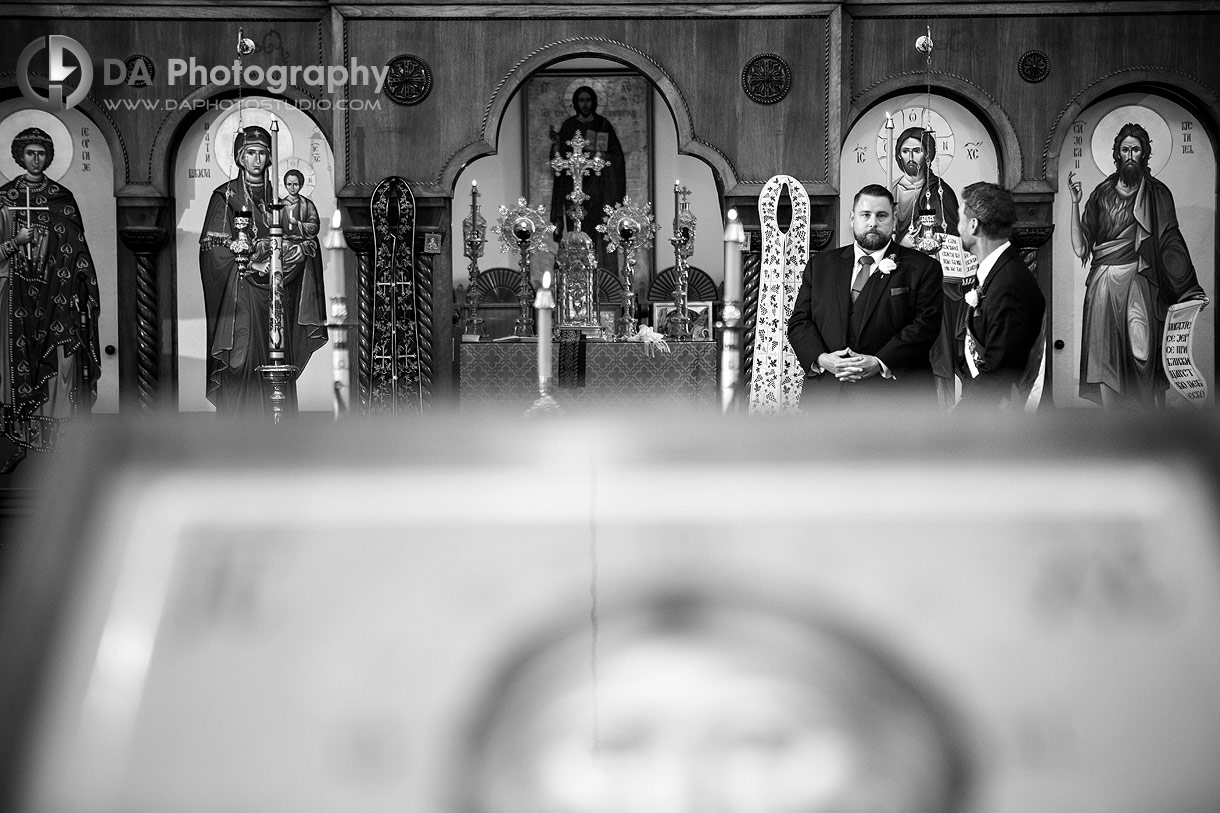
(337, 248)
(734, 240)
(544, 301)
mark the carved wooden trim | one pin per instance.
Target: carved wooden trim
(145, 242)
(360, 240)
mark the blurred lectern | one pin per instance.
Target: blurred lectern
(865, 612)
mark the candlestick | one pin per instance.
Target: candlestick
(337, 328)
(731, 343)
(337, 247)
(889, 165)
(544, 302)
(734, 240)
(275, 158)
(474, 230)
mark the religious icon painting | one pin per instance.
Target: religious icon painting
(612, 112)
(700, 314)
(304, 181)
(954, 151)
(81, 168)
(1140, 172)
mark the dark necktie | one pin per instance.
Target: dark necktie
(857, 284)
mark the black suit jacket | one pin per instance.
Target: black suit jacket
(896, 318)
(1005, 326)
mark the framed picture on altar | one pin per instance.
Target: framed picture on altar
(612, 110)
(607, 316)
(701, 314)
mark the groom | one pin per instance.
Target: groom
(867, 314)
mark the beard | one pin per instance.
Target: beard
(913, 168)
(872, 239)
(1130, 172)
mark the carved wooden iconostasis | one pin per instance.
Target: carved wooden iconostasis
(83, 164)
(1184, 159)
(205, 161)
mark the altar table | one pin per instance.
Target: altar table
(503, 376)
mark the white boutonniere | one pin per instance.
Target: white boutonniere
(972, 298)
(887, 264)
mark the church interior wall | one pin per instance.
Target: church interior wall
(839, 55)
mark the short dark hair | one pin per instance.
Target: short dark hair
(992, 206)
(296, 172)
(1136, 131)
(924, 137)
(584, 89)
(28, 136)
(873, 190)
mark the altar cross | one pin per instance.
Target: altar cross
(578, 164)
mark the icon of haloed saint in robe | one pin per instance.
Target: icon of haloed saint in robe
(49, 359)
(1139, 266)
(603, 190)
(238, 303)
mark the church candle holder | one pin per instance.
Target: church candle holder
(628, 228)
(523, 230)
(279, 375)
(474, 237)
(683, 241)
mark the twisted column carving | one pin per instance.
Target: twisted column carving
(426, 322)
(360, 240)
(146, 242)
(751, 279)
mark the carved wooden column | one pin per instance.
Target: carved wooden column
(360, 240)
(751, 280)
(143, 334)
(1029, 238)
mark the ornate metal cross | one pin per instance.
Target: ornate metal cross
(577, 164)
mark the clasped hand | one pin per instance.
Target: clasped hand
(848, 365)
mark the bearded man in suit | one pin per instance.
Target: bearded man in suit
(868, 313)
(1004, 318)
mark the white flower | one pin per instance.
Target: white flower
(887, 264)
(972, 297)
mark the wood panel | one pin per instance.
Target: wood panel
(703, 57)
(1082, 51)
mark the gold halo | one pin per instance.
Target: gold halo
(15, 122)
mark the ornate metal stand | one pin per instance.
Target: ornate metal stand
(523, 230)
(576, 265)
(279, 374)
(474, 237)
(684, 246)
(628, 227)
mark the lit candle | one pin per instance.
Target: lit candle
(734, 240)
(544, 301)
(338, 249)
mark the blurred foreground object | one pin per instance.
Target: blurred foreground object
(658, 615)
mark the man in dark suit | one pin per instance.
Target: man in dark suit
(868, 313)
(1005, 312)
